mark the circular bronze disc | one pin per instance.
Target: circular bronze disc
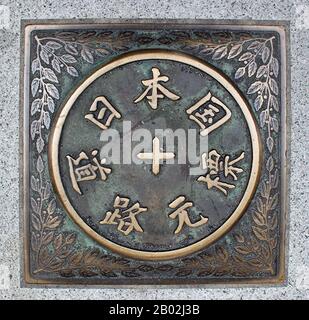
(188, 243)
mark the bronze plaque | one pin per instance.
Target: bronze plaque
(154, 152)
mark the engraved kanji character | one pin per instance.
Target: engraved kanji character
(182, 214)
(209, 113)
(87, 171)
(222, 186)
(104, 115)
(157, 90)
(125, 219)
(214, 166)
(228, 166)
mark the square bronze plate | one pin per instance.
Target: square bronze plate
(131, 211)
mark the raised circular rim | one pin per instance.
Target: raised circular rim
(56, 131)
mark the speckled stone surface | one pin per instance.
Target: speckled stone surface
(298, 256)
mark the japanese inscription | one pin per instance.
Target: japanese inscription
(86, 171)
(214, 167)
(156, 90)
(135, 216)
(126, 220)
(182, 214)
(105, 114)
(206, 113)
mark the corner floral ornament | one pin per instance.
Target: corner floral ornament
(91, 220)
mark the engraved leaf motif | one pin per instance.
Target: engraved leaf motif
(46, 192)
(240, 72)
(33, 129)
(35, 106)
(71, 238)
(72, 71)
(102, 51)
(53, 223)
(220, 53)
(270, 164)
(274, 222)
(165, 267)
(34, 205)
(183, 273)
(246, 56)
(52, 90)
(264, 189)
(67, 273)
(255, 86)
(47, 238)
(46, 120)
(56, 65)
(275, 179)
(258, 102)
(34, 242)
(58, 241)
(259, 204)
(274, 102)
(40, 144)
(35, 65)
(35, 86)
(51, 207)
(273, 243)
(263, 117)
(49, 74)
(53, 45)
(265, 252)
(87, 55)
(239, 238)
(273, 86)
(64, 254)
(67, 35)
(36, 223)
(252, 68)
(75, 258)
(145, 268)
(261, 71)
(222, 253)
(270, 143)
(274, 124)
(44, 255)
(87, 36)
(207, 51)
(274, 201)
(40, 165)
(255, 262)
(50, 104)
(44, 55)
(260, 233)
(34, 184)
(235, 51)
(265, 54)
(259, 219)
(275, 66)
(90, 256)
(70, 49)
(55, 264)
(68, 58)
(242, 250)
(254, 45)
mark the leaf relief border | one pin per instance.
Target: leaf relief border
(56, 251)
